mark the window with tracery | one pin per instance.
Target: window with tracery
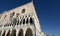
(23, 10)
(12, 14)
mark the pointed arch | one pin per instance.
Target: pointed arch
(29, 32)
(31, 20)
(23, 21)
(27, 20)
(20, 32)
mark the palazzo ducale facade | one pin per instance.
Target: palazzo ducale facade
(20, 21)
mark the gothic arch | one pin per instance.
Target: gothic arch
(31, 20)
(20, 32)
(8, 34)
(27, 20)
(23, 21)
(13, 32)
(29, 32)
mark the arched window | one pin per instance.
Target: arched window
(10, 24)
(31, 20)
(29, 32)
(20, 32)
(23, 10)
(12, 14)
(27, 20)
(23, 21)
(29, 15)
(26, 16)
(13, 32)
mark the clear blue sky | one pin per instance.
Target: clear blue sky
(48, 12)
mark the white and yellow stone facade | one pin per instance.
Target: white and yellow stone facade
(20, 21)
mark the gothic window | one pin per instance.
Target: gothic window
(23, 10)
(29, 32)
(23, 21)
(27, 20)
(31, 20)
(12, 14)
(29, 15)
(26, 16)
(10, 24)
(23, 16)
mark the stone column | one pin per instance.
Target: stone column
(23, 33)
(6, 32)
(17, 32)
(34, 34)
(25, 21)
(19, 22)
